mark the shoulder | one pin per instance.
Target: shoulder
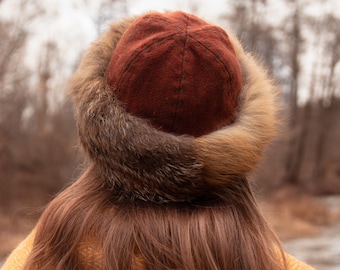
(295, 264)
(17, 258)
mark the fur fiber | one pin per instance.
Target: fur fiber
(140, 162)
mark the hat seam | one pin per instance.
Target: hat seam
(181, 74)
(161, 39)
(128, 65)
(213, 53)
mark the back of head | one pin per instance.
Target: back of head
(173, 103)
(172, 115)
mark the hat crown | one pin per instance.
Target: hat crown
(177, 71)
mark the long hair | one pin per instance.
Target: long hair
(227, 232)
(154, 200)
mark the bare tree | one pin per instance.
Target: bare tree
(297, 139)
(248, 19)
(12, 102)
(35, 147)
(327, 105)
(108, 11)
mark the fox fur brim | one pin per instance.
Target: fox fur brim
(140, 162)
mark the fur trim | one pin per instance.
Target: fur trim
(236, 149)
(141, 162)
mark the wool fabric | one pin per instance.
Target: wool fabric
(177, 71)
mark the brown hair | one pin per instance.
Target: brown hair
(225, 232)
(153, 200)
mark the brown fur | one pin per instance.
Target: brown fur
(236, 149)
(151, 165)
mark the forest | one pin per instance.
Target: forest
(39, 152)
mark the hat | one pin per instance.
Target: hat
(177, 71)
(171, 109)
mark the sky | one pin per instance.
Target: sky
(70, 23)
(206, 9)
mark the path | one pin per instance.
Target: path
(322, 251)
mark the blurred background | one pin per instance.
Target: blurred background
(298, 182)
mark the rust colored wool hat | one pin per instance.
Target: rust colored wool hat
(177, 71)
(171, 109)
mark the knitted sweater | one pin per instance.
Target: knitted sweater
(93, 257)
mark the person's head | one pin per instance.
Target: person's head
(172, 115)
(172, 93)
